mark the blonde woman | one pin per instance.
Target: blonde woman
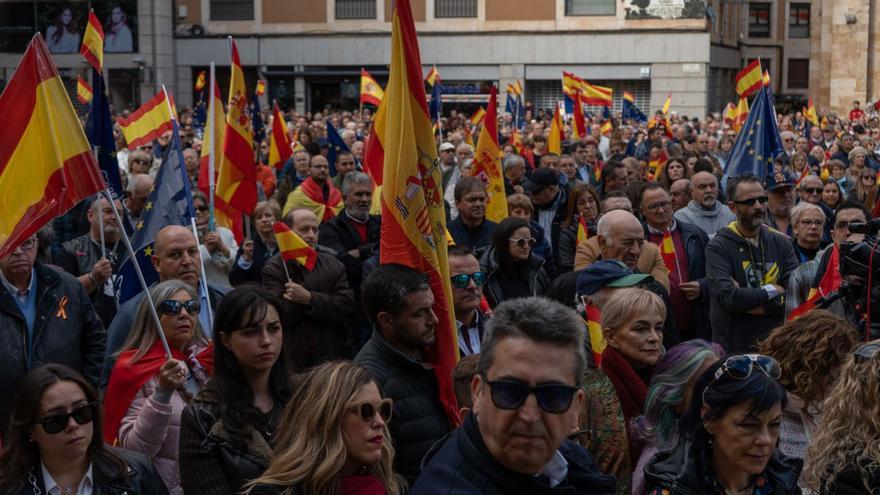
(844, 456)
(333, 438)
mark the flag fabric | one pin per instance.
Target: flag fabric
(433, 76)
(583, 233)
(607, 126)
(413, 218)
(260, 90)
(293, 248)
(829, 283)
(557, 133)
(487, 163)
(766, 78)
(279, 144)
(92, 48)
(578, 124)
(627, 96)
(84, 92)
(741, 114)
(200, 114)
(169, 203)
(436, 108)
(667, 252)
(656, 166)
(478, 116)
(517, 142)
(810, 112)
(237, 179)
(758, 143)
(46, 166)
(257, 120)
(594, 331)
(803, 175)
(200, 81)
(335, 145)
(374, 149)
(371, 92)
(629, 111)
(729, 114)
(310, 195)
(148, 122)
(667, 104)
(99, 131)
(749, 79)
(592, 94)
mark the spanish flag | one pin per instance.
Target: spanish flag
(237, 182)
(279, 145)
(667, 104)
(148, 122)
(629, 97)
(478, 116)
(579, 124)
(261, 88)
(592, 94)
(594, 330)
(766, 78)
(571, 85)
(830, 282)
(371, 92)
(413, 218)
(293, 248)
(200, 81)
(729, 114)
(656, 166)
(374, 150)
(583, 232)
(749, 79)
(667, 252)
(741, 115)
(557, 133)
(487, 162)
(83, 91)
(92, 48)
(46, 164)
(433, 76)
(810, 112)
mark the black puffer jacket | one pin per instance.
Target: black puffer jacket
(682, 471)
(419, 419)
(538, 280)
(141, 478)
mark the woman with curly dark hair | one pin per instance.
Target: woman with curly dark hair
(228, 432)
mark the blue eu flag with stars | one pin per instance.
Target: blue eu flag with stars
(758, 142)
(169, 203)
(99, 129)
(629, 111)
(335, 145)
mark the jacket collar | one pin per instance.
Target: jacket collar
(46, 278)
(391, 353)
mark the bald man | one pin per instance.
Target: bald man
(176, 257)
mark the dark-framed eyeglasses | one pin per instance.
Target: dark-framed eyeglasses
(522, 241)
(751, 201)
(28, 244)
(461, 280)
(866, 352)
(57, 422)
(367, 410)
(171, 307)
(553, 398)
(812, 190)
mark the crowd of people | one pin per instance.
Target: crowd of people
(285, 379)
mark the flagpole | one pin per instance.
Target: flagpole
(212, 123)
(140, 275)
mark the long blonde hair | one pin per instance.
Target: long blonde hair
(849, 434)
(310, 452)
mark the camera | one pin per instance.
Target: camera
(860, 270)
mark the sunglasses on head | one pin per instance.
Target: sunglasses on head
(367, 410)
(58, 422)
(553, 398)
(751, 201)
(522, 241)
(461, 280)
(866, 352)
(172, 307)
(741, 367)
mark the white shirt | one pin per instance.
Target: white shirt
(556, 470)
(85, 486)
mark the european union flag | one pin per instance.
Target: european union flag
(569, 104)
(520, 112)
(257, 121)
(200, 114)
(169, 203)
(510, 105)
(436, 107)
(335, 145)
(99, 129)
(758, 142)
(630, 111)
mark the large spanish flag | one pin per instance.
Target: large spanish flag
(371, 92)
(92, 48)
(280, 149)
(413, 218)
(374, 150)
(148, 122)
(592, 94)
(237, 182)
(487, 162)
(46, 165)
(749, 79)
(293, 248)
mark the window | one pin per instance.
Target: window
(798, 73)
(232, 10)
(759, 20)
(590, 7)
(355, 9)
(455, 8)
(799, 20)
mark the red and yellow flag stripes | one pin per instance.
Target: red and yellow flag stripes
(92, 48)
(293, 248)
(413, 220)
(487, 162)
(279, 144)
(46, 165)
(147, 123)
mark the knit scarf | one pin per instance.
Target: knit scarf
(630, 388)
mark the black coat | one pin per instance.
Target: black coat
(254, 273)
(477, 239)
(462, 465)
(141, 478)
(340, 235)
(419, 419)
(849, 482)
(538, 281)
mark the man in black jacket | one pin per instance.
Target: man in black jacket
(526, 398)
(399, 303)
(471, 228)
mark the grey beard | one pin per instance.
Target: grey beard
(357, 215)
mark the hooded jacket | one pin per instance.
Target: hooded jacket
(711, 221)
(740, 310)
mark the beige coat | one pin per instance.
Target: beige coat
(650, 260)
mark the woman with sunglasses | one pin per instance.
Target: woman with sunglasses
(866, 187)
(582, 209)
(731, 431)
(55, 445)
(217, 247)
(148, 391)
(227, 433)
(632, 326)
(844, 455)
(512, 270)
(333, 438)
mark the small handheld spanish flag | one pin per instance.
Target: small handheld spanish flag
(583, 233)
(667, 252)
(83, 91)
(261, 88)
(293, 248)
(200, 81)
(92, 48)
(594, 330)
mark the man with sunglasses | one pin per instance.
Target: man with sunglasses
(467, 292)
(46, 317)
(748, 266)
(526, 400)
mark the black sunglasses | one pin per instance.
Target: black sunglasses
(170, 307)
(367, 410)
(866, 352)
(461, 280)
(751, 202)
(82, 415)
(554, 398)
(813, 190)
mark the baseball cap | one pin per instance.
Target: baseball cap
(540, 180)
(608, 273)
(778, 180)
(447, 146)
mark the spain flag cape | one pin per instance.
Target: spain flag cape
(487, 162)
(309, 195)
